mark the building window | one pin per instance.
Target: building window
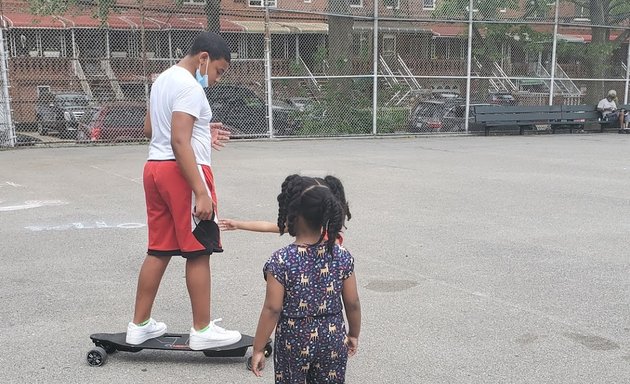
(43, 90)
(261, 3)
(428, 4)
(392, 4)
(581, 13)
(356, 3)
(194, 2)
(389, 45)
(361, 45)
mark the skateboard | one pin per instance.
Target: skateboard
(108, 343)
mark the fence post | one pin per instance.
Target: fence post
(143, 46)
(625, 99)
(268, 83)
(375, 72)
(469, 64)
(553, 54)
(7, 122)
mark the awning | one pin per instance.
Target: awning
(450, 30)
(391, 27)
(584, 37)
(25, 20)
(281, 27)
(131, 20)
(188, 22)
(303, 27)
(571, 38)
(115, 21)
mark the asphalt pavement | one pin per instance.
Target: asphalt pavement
(479, 259)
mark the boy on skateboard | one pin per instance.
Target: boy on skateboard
(180, 193)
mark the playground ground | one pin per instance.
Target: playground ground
(479, 259)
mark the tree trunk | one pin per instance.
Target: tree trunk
(339, 37)
(599, 57)
(339, 91)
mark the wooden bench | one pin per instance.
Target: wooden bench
(500, 117)
(571, 117)
(588, 113)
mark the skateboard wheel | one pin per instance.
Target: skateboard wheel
(96, 357)
(268, 350)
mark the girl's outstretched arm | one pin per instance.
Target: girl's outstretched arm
(350, 296)
(255, 226)
(267, 322)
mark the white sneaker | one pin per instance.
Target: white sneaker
(139, 334)
(213, 337)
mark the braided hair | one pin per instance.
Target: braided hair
(315, 203)
(337, 189)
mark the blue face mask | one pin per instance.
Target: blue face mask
(203, 80)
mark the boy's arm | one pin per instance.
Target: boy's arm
(181, 134)
(255, 226)
(267, 322)
(350, 296)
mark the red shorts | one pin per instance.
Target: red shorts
(173, 230)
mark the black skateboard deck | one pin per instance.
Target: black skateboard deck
(108, 343)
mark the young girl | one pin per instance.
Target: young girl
(307, 281)
(333, 183)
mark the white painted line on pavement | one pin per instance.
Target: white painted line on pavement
(78, 225)
(136, 180)
(33, 204)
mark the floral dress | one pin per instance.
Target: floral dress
(310, 339)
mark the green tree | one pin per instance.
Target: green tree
(598, 53)
(604, 15)
(339, 93)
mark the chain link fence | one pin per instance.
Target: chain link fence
(307, 67)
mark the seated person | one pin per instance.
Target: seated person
(608, 108)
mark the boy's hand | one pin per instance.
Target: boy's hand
(204, 207)
(219, 135)
(353, 345)
(258, 363)
(227, 225)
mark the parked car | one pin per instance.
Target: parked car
(245, 114)
(22, 140)
(113, 122)
(301, 103)
(59, 112)
(442, 116)
(502, 98)
(446, 95)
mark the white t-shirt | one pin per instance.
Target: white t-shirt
(605, 104)
(177, 90)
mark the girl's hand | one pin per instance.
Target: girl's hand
(258, 363)
(353, 345)
(228, 225)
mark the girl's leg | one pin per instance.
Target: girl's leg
(149, 280)
(291, 352)
(198, 284)
(330, 366)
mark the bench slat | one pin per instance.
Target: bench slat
(518, 117)
(483, 109)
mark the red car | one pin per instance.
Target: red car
(113, 122)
